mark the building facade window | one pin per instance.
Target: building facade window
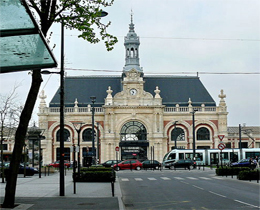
(133, 131)
(66, 135)
(203, 134)
(87, 135)
(178, 134)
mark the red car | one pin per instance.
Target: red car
(128, 164)
(56, 164)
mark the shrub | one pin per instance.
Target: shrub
(249, 175)
(95, 174)
(228, 171)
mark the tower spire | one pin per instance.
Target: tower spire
(132, 49)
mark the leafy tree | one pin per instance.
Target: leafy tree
(84, 15)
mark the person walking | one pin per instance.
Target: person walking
(257, 161)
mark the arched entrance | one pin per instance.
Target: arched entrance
(133, 141)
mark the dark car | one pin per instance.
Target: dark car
(151, 164)
(128, 164)
(110, 163)
(56, 164)
(244, 163)
(181, 164)
(30, 171)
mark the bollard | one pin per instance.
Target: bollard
(257, 173)
(113, 188)
(225, 171)
(48, 171)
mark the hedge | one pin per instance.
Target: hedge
(229, 171)
(249, 175)
(95, 174)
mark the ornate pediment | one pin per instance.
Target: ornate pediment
(133, 75)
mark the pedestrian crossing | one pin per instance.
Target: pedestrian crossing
(168, 178)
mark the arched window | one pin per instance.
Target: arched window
(178, 134)
(133, 131)
(66, 135)
(203, 134)
(87, 134)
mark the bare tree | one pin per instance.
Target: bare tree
(84, 15)
(9, 112)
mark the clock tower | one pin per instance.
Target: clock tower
(132, 50)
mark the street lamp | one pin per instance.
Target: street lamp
(97, 136)
(78, 127)
(61, 167)
(193, 132)
(93, 100)
(175, 131)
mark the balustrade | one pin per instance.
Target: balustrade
(166, 109)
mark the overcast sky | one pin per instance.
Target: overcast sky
(180, 37)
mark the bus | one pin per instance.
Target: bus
(212, 156)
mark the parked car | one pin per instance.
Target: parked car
(30, 171)
(128, 164)
(180, 164)
(151, 164)
(56, 164)
(110, 163)
(243, 163)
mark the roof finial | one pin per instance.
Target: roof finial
(132, 16)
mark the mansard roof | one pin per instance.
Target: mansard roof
(174, 90)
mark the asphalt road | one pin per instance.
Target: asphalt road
(183, 189)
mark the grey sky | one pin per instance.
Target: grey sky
(177, 36)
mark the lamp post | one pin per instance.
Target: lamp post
(61, 167)
(240, 143)
(175, 131)
(62, 185)
(97, 136)
(93, 100)
(193, 132)
(78, 127)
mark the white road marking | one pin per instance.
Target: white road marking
(217, 177)
(138, 179)
(193, 178)
(165, 178)
(152, 179)
(218, 194)
(247, 204)
(124, 180)
(198, 187)
(206, 178)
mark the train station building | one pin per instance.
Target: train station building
(141, 116)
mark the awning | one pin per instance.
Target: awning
(22, 44)
(139, 143)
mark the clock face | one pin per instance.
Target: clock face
(133, 92)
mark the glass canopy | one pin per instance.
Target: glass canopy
(22, 45)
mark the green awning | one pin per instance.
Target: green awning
(22, 45)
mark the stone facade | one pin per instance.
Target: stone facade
(141, 122)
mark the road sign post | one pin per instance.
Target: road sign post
(221, 146)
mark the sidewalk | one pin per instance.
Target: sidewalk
(43, 193)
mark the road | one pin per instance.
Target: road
(184, 189)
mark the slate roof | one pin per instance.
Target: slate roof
(174, 90)
(252, 129)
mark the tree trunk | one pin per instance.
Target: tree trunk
(20, 136)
